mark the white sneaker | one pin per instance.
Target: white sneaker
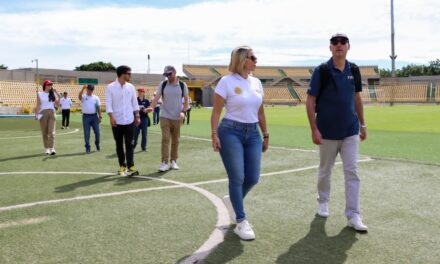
(356, 223)
(174, 165)
(244, 230)
(52, 151)
(47, 151)
(231, 212)
(323, 210)
(164, 167)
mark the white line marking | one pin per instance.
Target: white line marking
(270, 147)
(218, 234)
(85, 197)
(29, 221)
(61, 134)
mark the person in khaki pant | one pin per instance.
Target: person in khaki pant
(171, 115)
(45, 112)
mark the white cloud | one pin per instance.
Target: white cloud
(281, 33)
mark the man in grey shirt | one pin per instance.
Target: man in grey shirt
(171, 115)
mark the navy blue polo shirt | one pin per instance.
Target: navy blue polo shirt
(145, 103)
(336, 115)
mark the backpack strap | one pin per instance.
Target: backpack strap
(164, 83)
(356, 76)
(324, 77)
(182, 87)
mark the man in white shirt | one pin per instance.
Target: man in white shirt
(91, 108)
(66, 103)
(123, 110)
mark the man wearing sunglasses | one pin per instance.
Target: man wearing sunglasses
(335, 112)
(123, 110)
(172, 113)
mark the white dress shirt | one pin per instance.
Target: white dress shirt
(66, 103)
(122, 102)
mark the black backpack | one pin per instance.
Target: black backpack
(325, 76)
(182, 87)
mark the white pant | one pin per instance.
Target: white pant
(348, 150)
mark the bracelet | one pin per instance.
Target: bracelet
(363, 126)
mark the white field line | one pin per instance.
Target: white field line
(85, 197)
(28, 221)
(223, 222)
(92, 196)
(218, 234)
(61, 134)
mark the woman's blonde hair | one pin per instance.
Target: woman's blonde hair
(238, 59)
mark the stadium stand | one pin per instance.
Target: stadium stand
(297, 71)
(277, 95)
(402, 93)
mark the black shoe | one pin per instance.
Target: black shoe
(87, 151)
(98, 148)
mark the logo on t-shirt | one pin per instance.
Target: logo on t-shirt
(237, 90)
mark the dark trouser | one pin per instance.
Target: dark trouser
(121, 134)
(156, 115)
(91, 120)
(66, 115)
(143, 126)
(188, 112)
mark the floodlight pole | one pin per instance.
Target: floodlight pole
(393, 56)
(37, 81)
(148, 69)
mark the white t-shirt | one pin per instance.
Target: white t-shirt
(66, 103)
(243, 97)
(45, 103)
(90, 104)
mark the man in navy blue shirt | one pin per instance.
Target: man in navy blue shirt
(143, 105)
(335, 112)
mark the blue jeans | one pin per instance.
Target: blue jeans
(241, 148)
(91, 120)
(156, 115)
(144, 127)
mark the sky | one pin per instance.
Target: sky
(66, 34)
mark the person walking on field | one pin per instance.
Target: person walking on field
(66, 104)
(123, 111)
(336, 117)
(47, 100)
(91, 109)
(237, 137)
(171, 115)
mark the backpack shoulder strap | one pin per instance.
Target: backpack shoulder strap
(164, 83)
(356, 76)
(182, 86)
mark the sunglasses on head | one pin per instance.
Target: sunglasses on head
(339, 40)
(253, 58)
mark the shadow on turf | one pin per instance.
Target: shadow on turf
(118, 180)
(228, 250)
(317, 247)
(49, 157)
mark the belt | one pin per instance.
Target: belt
(89, 114)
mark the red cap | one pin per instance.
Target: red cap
(142, 90)
(47, 82)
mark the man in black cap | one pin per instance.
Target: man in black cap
(91, 109)
(336, 117)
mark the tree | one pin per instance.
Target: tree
(96, 66)
(415, 70)
(3, 67)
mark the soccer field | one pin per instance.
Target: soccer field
(72, 208)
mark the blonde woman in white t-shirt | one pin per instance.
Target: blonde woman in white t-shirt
(237, 137)
(45, 112)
